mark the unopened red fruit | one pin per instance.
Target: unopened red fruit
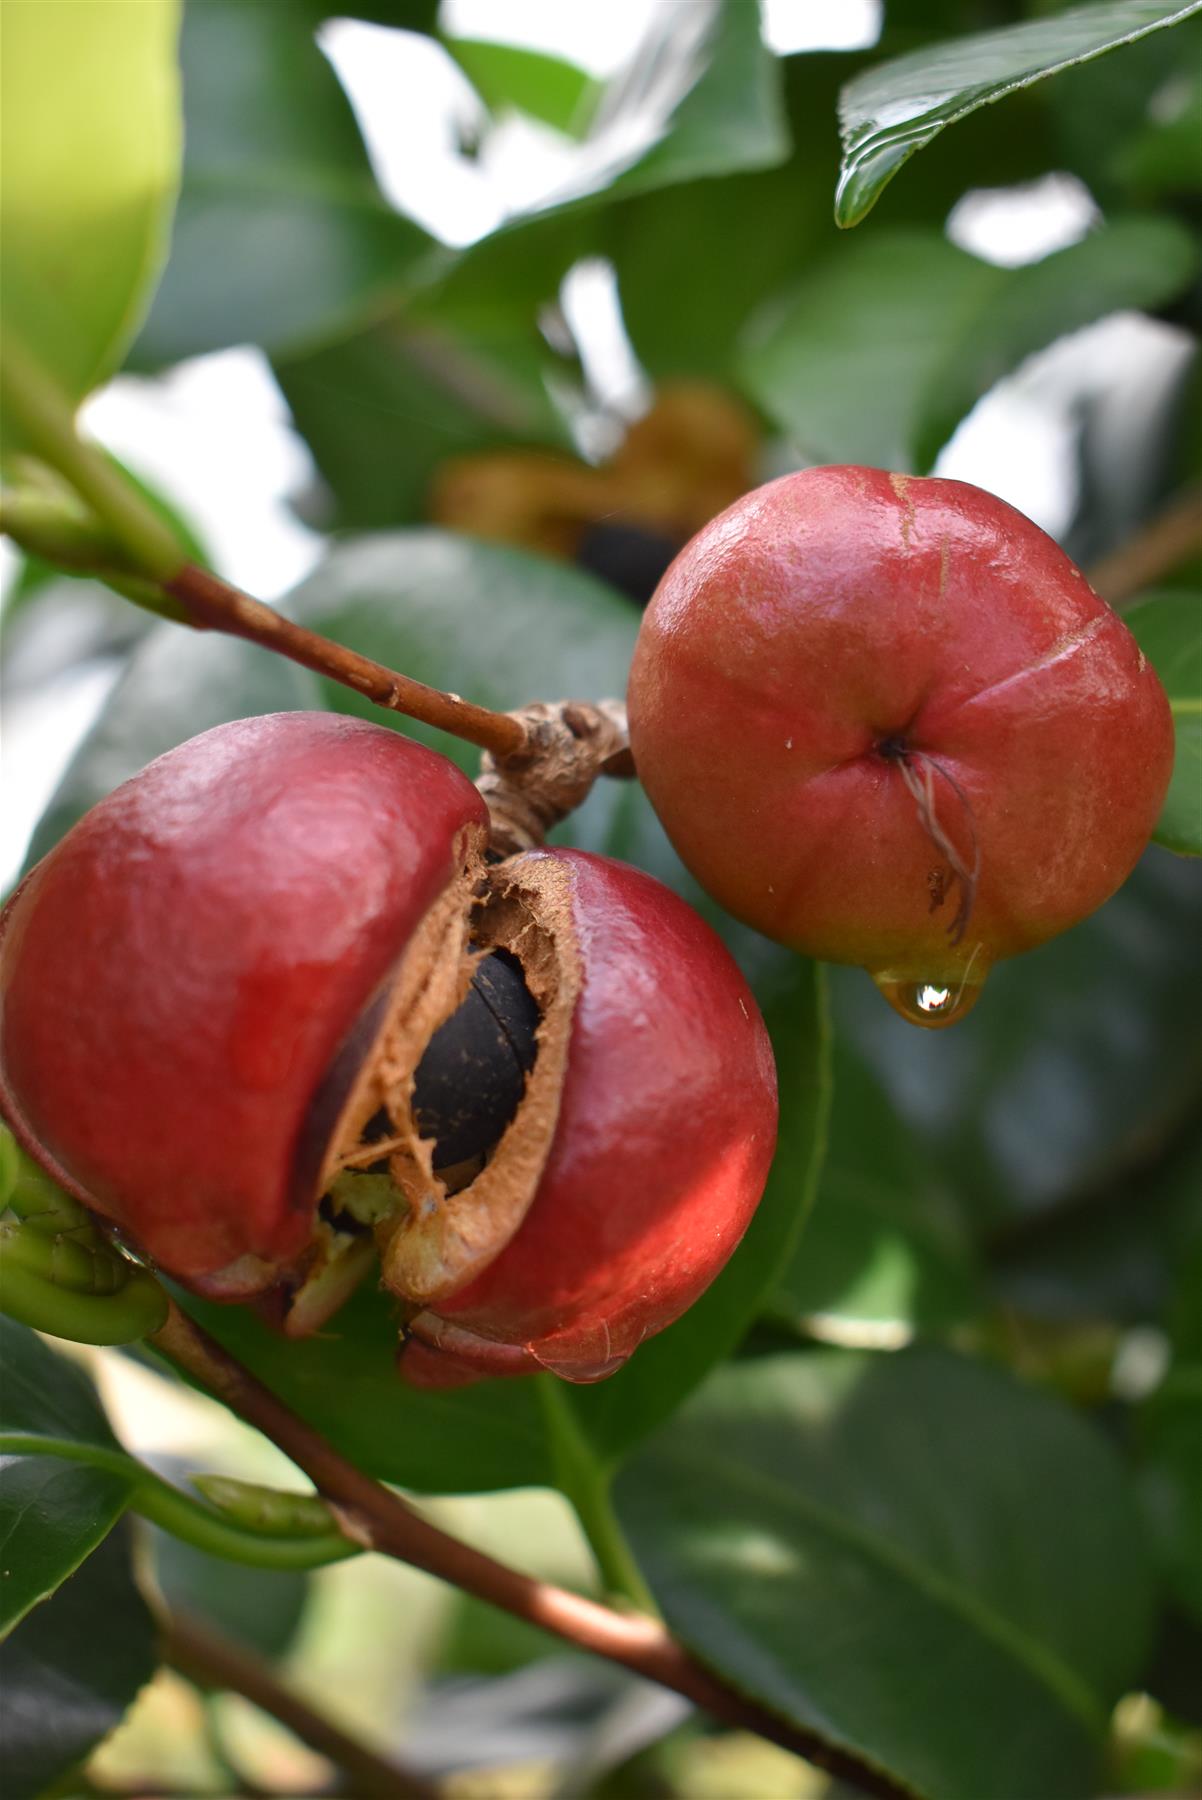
(885, 720)
(235, 998)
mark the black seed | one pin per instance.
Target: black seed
(630, 557)
(470, 1082)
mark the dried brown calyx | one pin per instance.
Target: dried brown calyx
(569, 743)
(387, 1187)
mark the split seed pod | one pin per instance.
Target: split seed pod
(220, 994)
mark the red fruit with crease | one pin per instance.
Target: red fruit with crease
(885, 720)
(224, 987)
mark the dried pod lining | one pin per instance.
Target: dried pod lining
(433, 1234)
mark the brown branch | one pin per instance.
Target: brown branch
(213, 605)
(378, 1519)
(1153, 552)
(210, 1660)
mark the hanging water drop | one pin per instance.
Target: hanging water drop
(931, 1004)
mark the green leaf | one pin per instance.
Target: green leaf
(843, 361)
(1171, 1475)
(617, 1413)
(71, 1669)
(1163, 157)
(90, 150)
(282, 238)
(1130, 263)
(891, 339)
(700, 96)
(1079, 1055)
(382, 410)
(913, 1555)
(507, 76)
(729, 115)
(464, 1440)
(889, 112)
(684, 295)
(1113, 1260)
(262, 1608)
(885, 1253)
(1168, 628)
(52, 1514)
(177, 683)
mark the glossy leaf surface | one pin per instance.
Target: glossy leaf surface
(889, 112)
(72, 1668)
(858, 1542)
(52, 1513)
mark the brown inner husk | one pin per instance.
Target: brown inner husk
(436, 1240)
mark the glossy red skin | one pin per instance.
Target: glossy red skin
(837, 608)
(665, 1135)
(179, 971)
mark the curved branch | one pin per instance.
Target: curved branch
(210, 1660)
(1168, 540)
(374, 1517)
(213, 605)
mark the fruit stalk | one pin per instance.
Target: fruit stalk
(379, 1520)
(211, 604)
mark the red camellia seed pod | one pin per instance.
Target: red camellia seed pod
(887, 721)
(180, 971)
(235, 1003)
(665, 1132)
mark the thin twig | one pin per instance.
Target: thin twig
(379, 1520)
(1153, 552)
(213, 605)
(206, 1657)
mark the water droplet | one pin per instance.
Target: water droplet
(931, 1004)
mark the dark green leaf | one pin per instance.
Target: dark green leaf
(262, 1608)
(71, 1670)
(885, 1253)
(1169, 630)
(282, 237)
(700, 96)
(890, 112)
(881, 350)
(1080, 1055)
(1113, 1257)
(506, 76)
(1130, 263)
(1163, 158)
(178, 683)
(913, 1555)
(1171, 1475)
(464, 1440)
(722, 87)
(52, 1513)
(382, 410)
(843, 362)
(90, 168)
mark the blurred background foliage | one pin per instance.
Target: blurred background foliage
(944, 1501)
